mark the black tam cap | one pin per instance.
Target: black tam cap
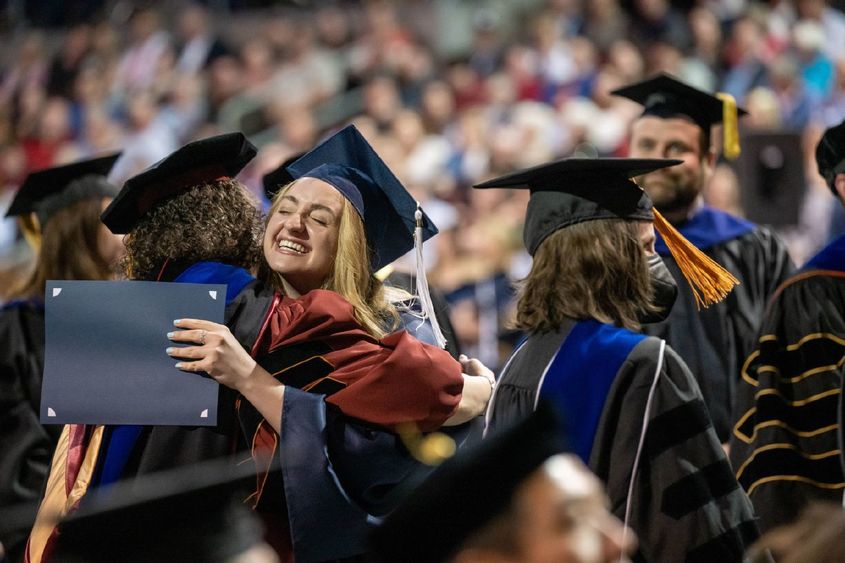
(830, 154)
(347, 162)
(666, 97)
(193, 514)
(574, 190)
(46, 191)
(467, 491)
(196, 163)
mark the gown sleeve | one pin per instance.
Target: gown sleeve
(686, 503)
(784, 445)
(386, 382)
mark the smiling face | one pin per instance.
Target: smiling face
(676, 187)
(300, 241)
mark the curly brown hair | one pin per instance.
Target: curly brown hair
(591, 270)
(214, 221)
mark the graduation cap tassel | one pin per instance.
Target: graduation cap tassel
(731, 148)
(710, 282)
(422, 281)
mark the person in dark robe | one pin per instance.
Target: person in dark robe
(188, 221)
(517, 496)
(713, 341)
(633, 411)
(786, 441)
(67, 202)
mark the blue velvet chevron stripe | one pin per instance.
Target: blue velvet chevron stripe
(579, 378)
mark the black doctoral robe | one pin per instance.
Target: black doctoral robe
(785, 445)
(25, 444)
(686, 504)
(715, 341)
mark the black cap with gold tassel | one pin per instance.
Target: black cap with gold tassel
(574, 190)
(667, 97)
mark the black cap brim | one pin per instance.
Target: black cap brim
(665, 96)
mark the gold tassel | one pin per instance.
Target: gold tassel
(710, 282)
(431, 450)
(31, 230)
(730, 126)
(384, 273)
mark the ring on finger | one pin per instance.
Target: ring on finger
(202, 337)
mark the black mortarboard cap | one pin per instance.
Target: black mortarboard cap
(279, 178)
(190, 514)
(574, 190)
(830, 154)
(665, 96)
(46, 191)
(348, 162)
(196, 163)
(467, 491)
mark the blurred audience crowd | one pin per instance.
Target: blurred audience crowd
(449, 92)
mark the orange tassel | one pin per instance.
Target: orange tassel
(710, 282)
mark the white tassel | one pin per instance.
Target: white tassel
(421, 284)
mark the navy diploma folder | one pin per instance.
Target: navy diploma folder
(105, 359)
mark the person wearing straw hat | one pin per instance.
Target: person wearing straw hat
(64, 204)
(786, 444)
(676, 122)
(633, 411)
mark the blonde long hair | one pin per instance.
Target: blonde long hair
(350, 276)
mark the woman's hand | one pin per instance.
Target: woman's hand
(221, 356)
(478, 388)
(215, 351)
